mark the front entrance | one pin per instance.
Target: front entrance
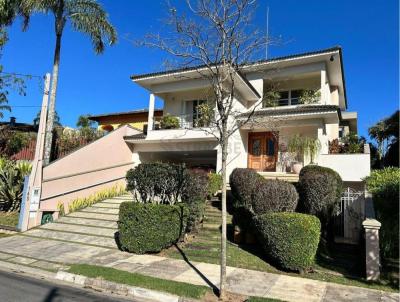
(263, 151)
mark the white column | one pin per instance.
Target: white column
(150, 121)
(323, 87)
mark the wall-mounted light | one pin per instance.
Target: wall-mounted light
(332, 58)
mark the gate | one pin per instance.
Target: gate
(348, 222)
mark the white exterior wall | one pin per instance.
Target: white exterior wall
(351, 167)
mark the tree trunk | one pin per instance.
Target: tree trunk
(222, 291)
(52, 103)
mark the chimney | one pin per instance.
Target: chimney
(12, 121)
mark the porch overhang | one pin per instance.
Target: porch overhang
(275, 115)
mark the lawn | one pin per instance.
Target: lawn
(134, 279)
(9, 219)
(204, 247)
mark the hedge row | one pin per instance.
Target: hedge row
(290, 239)
(149, 227)
(266, 207)
(384, 186)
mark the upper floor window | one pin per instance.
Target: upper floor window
(289, 97)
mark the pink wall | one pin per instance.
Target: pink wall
(99, 165)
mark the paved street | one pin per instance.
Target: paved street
(17, 288)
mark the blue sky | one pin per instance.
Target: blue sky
(367, 31)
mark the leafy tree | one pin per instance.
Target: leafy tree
(85, 16)
(57, 121)
(386, 134)
(85, 122)
(216, 39)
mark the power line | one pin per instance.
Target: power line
(22, 74)
(24, 106)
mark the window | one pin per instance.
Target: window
(295, 96)
(196, 113)
(289, 97)
(341, 131)
(270, 146)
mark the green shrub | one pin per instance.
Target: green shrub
(214, 183)
(320, 189)
(289, 239)
(146, 228)
(243, 183)
(169, 122)
(157, 182)
(273, 196)
(261, 195)
(384, 186)
(194, 195)
(12, 176)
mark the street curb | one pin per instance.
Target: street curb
(121, 289)
(22, 269)
(93, 283)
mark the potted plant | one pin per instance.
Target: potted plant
(296, 146)
(169, 122)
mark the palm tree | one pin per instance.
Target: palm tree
(56, 122)
(86, 16)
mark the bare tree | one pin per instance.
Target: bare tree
(216, 41)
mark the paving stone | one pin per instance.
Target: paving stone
(107, 205)
(116, 200)
(22, 260)
(166, 269)
(250, 283)
(88, 222)
(390, 297)
(4, 256)
(128, 267)
(71, 237)
(89, 230)
(48, 265)
(294, 289)
(110, 217)
(341, 293)
(144, 259)
(100, 210)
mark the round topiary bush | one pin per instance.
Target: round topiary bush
(273, 196)
(147, 228)
(243, 183)
(320, 189)
(289, 239)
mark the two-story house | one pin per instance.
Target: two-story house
(262, 143)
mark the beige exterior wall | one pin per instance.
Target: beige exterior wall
(92, 168)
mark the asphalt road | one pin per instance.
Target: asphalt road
(17, 288)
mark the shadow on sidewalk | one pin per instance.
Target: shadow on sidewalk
(202, 276)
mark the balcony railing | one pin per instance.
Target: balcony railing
(186, 121)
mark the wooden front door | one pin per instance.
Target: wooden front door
(263, 151)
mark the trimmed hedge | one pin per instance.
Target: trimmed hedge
(214, 183)
(320, 189)
(260, 195)
(243, 183)
(194, 195)
(384, 186)
(289, 239)
(147, 228)
(274, 196)
(161, 181)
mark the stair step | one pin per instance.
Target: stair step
(100, 210)
(106, 205)
(89, 222)
(116, 200)
(97, 216)
(89, 230)
(72, 237)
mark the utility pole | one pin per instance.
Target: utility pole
(31, 196)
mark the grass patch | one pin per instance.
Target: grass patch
(9, 218)
(4, 235)
(134, 279)
(205, 246)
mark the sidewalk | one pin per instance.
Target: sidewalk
(55, 254)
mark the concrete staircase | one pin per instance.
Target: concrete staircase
(95, 225)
